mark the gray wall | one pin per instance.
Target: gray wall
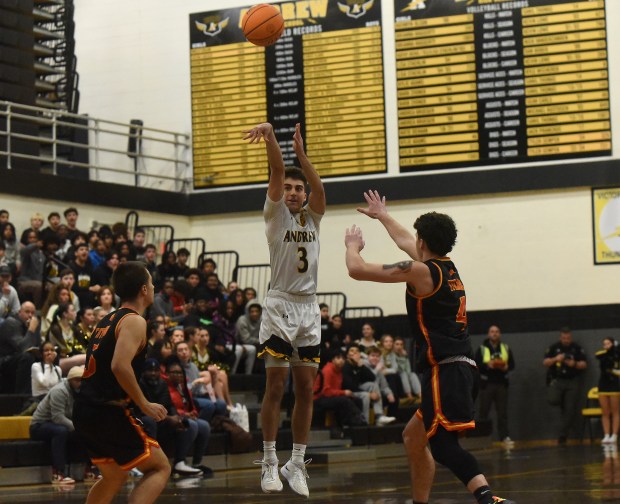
(530, 417)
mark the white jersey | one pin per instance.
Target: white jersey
(293, 247)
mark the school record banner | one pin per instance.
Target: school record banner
(325, 72)
(486, 82)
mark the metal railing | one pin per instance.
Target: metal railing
(121, 153)
(195, 246)
(257, 276)
(337, 301)
(226, 263)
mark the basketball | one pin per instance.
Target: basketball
(263, 25)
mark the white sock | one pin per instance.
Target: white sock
(269, 452)
(299, 451)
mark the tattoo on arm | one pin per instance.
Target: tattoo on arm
(403, 265)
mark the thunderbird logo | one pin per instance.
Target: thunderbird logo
(212, 25)
(356, 8)
(415, 5)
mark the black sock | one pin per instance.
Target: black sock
(483, 495)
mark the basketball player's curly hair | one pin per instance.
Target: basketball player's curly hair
(296, 174)
(437, 230)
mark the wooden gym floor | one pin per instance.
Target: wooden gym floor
(575, 474)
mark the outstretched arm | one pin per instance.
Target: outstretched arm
(275, 190)
(316, 201)
(415, 274)
(377, 209)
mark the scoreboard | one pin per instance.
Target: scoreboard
(477, 83)
(502, 81)
(325, 72)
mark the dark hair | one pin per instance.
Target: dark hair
(61, 310)
(92, 233)
(323, 305)
(66, 272)
(53, 214)
(69, 210)
(192, 271)
(153, 325)
(150, 246)
(295, 174)
(139, 230)
(210, 261)
(565, 329)
(437, 230)
(12, 228)
(128, 278)
(81, 245)
(183, 251)
(189, 332)
(83, 310)
(4, 211)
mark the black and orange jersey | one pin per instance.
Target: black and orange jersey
(439, 319)
(99, 385)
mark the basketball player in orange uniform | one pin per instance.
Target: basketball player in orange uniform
(436, 310)
(115, 356)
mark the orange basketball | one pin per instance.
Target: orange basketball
(263, 25)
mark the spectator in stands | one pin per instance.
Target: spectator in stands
(51, 267)
(180, 306)
(138, 246)
(67, 278)
(329, 394)
(230, 288)
(52, 422)
(149, 257)
(99, 314)
(168, 270)
(215, 298)
(53, 220)
(182, 258)
(361, 380)
(97, 253)
(44, 374)
(86, 323)
(248, 325)
(91, 238)
(59, 294)
(11, 247)
(156, 331)
(249, 293)
(410, 380)
(208, 266)
(325, 329)
(160, 351)
(76, 241)
(225, 343)
(388, 366)
(177, 335)
(206, 387)
(183, 402)
(340, 338)
(36, 223)
(106, 299)
(64, 244)
(201, 313)
(29, 283)
(85, 288)
(155, 390)
(67, 338)
(201, 349)
(19, 336)
(71, 216)
(3, 260)
(368, 337)
(4, 218)
(238, 297)
(375, 364)
(193, 280)
(9, 300)
(103, 274)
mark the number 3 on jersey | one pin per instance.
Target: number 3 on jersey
(303, 259)
(461, 316)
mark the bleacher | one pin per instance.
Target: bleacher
(26, 461)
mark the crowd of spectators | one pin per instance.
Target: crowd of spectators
(56, 286)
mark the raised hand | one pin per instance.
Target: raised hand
(376, 205)
(353, 238)
(254, 135)
(298, 141)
